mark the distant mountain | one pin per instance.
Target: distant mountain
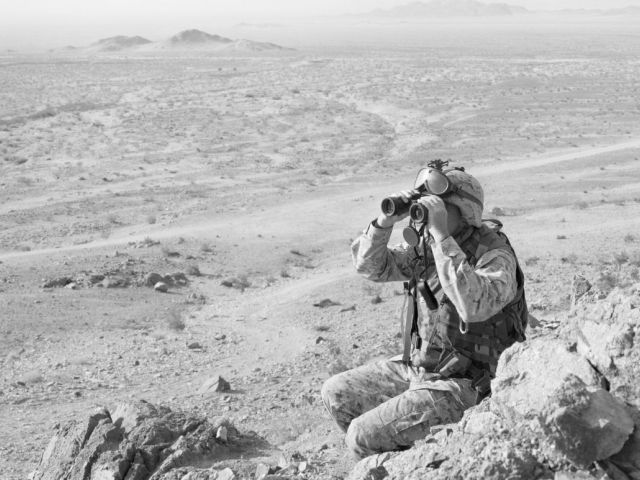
(449, 8)
(189, 38)
(629, 10)
(120, 42)
(185, 41)
(202, 41)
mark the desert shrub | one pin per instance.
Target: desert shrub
(634, 259)
(531, 261)
(111, 218)
(628, 238)
(151, 219)
(193, 270)
(168, 252)
(206, 247)
(620, 258)
(284, 273)
(174, 320)
(581, 205)
(24, 181)
(607, 281)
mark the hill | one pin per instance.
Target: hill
(119, 42)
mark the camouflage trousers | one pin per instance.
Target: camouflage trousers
(387, 405)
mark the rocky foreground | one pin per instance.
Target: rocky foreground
(564, 406)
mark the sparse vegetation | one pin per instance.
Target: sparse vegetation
(174, 320)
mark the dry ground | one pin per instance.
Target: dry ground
(257, 173)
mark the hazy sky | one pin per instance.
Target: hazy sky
(56, 21)
(28, 10)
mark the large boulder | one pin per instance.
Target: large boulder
(605, 333)
(137, 441)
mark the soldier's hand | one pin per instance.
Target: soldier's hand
(386, 221)
(438, 217)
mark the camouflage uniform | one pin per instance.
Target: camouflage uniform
(388, 405)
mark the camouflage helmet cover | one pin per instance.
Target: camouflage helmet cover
(470, 211)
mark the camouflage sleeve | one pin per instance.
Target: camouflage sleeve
(477, 293)
(376, 261)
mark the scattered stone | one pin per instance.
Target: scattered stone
(161, 287)
(226, 474)
(319, 340)
(352, 308)
(580, 286)
(115, 282)
(327, 302)
(220, 336)
(262, 471)
(377, 299)
(221, 434)
(56, 282)
(215, 384)
(96, 278)
(151, 279)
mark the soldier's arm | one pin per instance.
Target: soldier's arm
(376, 261)
(477, 293)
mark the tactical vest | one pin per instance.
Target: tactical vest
(481, 342)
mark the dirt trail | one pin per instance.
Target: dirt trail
(307, 210)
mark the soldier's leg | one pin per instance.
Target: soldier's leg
(399, 422)
(349, 394)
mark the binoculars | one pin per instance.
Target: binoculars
(396, 206)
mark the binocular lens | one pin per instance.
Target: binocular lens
(419, 213)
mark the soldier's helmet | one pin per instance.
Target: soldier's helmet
(470, 211)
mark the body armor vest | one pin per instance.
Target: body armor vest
(480, 342)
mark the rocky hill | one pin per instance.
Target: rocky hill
(119, 42)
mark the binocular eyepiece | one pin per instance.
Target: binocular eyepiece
(397, 206)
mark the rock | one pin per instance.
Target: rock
(137, 440)
(221, 434)
(352, 308)
(261, 472)
(178, 278)
(56, 282)
(586, 423)
(579, 287)
(377, 299)
(194, 346)
(71, 286)
(226, 474)
(605, 333)
(161, 287)
(151, 279)
(529, 374)
(115, 282)
(96, 278)
(215, 384)
(327, 302)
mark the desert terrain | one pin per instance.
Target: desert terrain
(245, 178)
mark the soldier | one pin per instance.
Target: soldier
(471, 308)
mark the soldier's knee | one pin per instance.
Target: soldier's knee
(359, 438)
